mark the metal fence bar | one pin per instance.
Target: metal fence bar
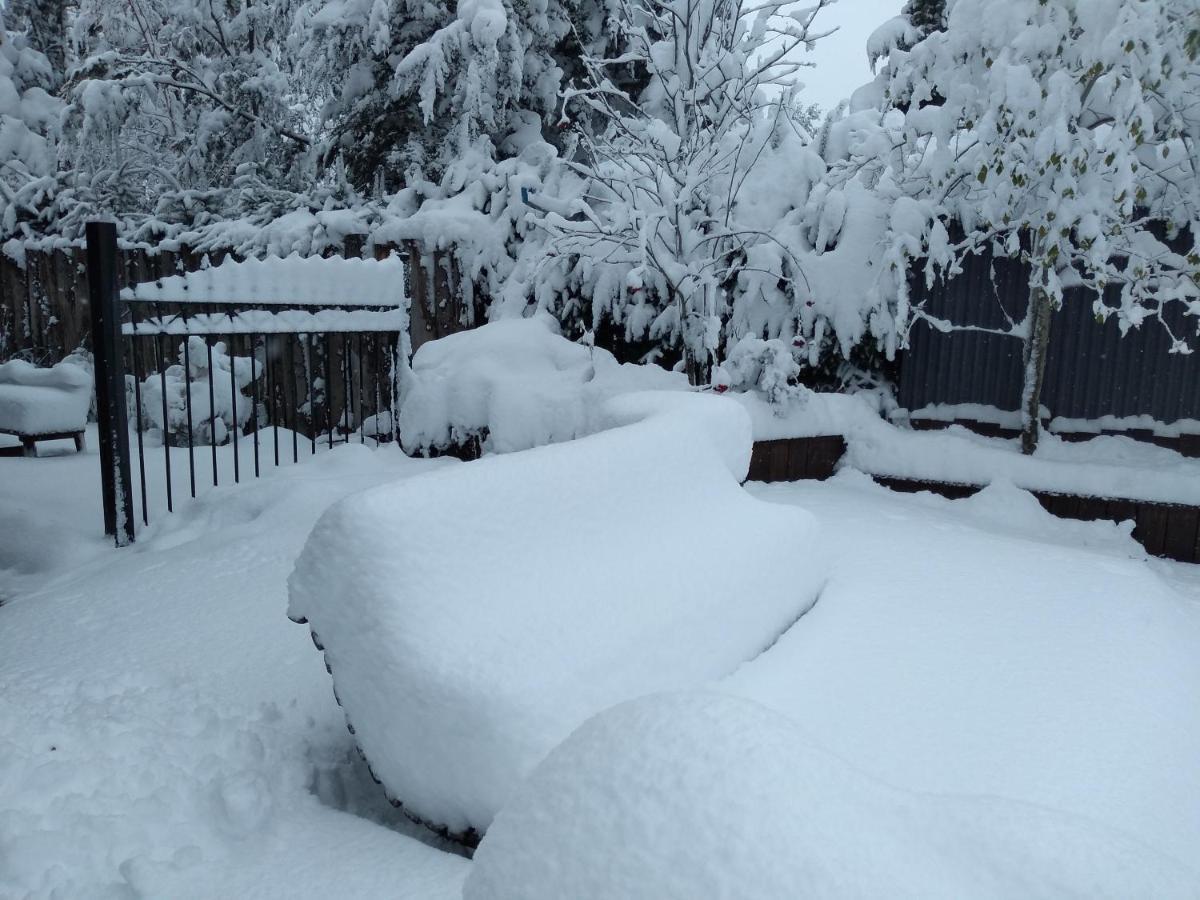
(137, 400)
(212, 409)
(362, 434)
(272, 389)
(328, 385)
(111, 415)
(166, 426)
(291, 384)
(254, 396)
(233, 400)
(187, 394)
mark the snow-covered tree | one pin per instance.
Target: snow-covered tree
(1064, 133)
(167, 97)
(665, 167)
(29, 128)
(926, 16)
(413, 87)
(44, 24)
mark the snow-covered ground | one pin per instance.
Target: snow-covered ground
(165, 731)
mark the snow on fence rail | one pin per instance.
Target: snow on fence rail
(223, 356)
(45, 311)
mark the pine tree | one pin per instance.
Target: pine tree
(44, 23)
(29, 117)
(927, 16)
(436, 82)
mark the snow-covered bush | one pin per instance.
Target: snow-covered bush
(596, 570)
(229, 408)
(513, 384)
(767, 367)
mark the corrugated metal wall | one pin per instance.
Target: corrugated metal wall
(1091, 371)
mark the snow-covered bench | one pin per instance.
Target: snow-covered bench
(44, 404)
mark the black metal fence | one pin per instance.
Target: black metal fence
(1092, 370)
(226, 393)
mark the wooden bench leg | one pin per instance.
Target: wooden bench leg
(80, 442)
(28, 446)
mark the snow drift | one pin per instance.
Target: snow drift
(696, 794)
(474, 616)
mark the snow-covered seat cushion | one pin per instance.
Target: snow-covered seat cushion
(36, 401)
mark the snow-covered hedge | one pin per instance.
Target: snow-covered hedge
(474, 616)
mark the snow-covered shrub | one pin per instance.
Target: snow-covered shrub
(513, 384)
(767, 367)
(684, 795)
(229, 408)
(594, 570)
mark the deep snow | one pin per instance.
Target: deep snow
(970, 647)
(164, 730)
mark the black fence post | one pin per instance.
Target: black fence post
(111, 414)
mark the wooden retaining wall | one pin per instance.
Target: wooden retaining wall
(1169, 530)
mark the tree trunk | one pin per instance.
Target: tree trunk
(698, 367)
(1036, 346)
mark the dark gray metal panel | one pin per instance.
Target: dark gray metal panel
(1091, 371)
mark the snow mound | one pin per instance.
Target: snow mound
(701, 795)
(34, 400)
(518, 384)
(474, 616)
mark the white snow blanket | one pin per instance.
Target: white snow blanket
(37, 401)
(474, 616)
(679, 796)
(292, 281)
(520, 381)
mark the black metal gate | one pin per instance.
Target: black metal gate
(313, 380)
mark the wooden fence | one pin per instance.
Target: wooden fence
(1170, 530)
(44, 312)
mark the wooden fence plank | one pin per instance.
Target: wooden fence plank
(1151, 529)
(1182, 530)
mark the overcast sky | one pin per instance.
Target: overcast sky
(841, 59)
